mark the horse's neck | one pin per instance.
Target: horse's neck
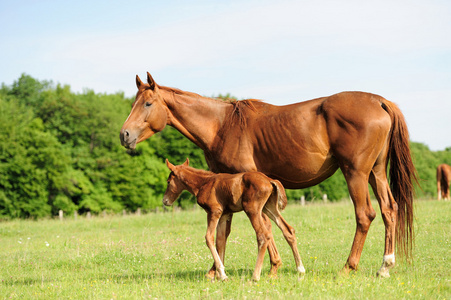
(198, 118)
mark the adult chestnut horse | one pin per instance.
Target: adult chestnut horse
(301, 145)
(443, 179)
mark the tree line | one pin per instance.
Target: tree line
(60, 150)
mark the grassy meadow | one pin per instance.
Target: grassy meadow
(164, 256)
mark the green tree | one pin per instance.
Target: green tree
(61, 150)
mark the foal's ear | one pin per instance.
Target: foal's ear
(150, 81)
(138, 82)
(170, 166)
(186, 163)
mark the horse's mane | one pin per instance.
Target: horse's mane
(240, 111)
(179, 92)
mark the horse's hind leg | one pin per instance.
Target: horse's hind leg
(358, 188)
(447, 197)
(439, 189)
(273, 213)
(389, 210)
(222, 233)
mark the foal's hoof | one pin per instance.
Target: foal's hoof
(301, 270)
(221, 276)
(210, 275)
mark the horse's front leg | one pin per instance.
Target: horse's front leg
(222, 233)
(213, 219)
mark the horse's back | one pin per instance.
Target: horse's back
(303, 141)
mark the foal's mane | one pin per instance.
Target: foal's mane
(200, 171)
(186, 176)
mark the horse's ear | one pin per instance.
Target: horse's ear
(138, 82)
(170, 166)
(150, 81)
(186, 163)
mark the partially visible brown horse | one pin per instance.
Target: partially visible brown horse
(224, 194)
(443, 179)
(301, 145)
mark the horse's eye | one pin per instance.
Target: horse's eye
(148, 104)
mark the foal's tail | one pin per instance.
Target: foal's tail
(402, 177)
(280, 192)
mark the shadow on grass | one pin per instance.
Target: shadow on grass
(232, 273)
(183, 275)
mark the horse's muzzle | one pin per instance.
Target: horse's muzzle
(126, 140)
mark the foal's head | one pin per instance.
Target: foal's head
(175, 185)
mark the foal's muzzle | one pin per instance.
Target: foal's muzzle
(166, 201)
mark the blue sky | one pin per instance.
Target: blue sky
(279, 51)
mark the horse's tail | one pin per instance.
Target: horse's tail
(280, 192)
(439, 182)
(402, 177)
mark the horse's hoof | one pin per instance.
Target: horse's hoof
(383, 273)
(344, 272)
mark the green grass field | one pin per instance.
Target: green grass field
(164, 256)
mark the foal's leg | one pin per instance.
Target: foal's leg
(263, 239)
(222, 233)
(274, 256)
(272, 211)
(213, 218)
(253, 199)
(389, 210)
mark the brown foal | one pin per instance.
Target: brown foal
(221, 195)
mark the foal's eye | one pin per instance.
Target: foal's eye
(148, 104)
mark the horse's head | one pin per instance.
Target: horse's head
(148, 115)
(175, 184)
